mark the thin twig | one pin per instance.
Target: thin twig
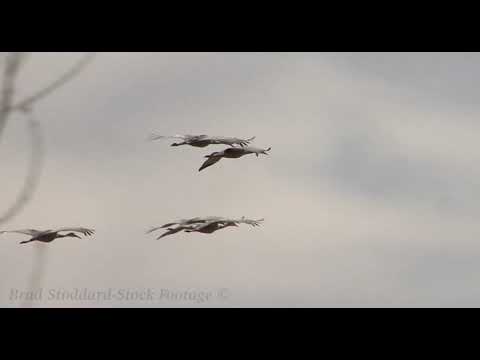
(70, 74)
(11, 68)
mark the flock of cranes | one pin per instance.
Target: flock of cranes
(233, 152)
(206, 225)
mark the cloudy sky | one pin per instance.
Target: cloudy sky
(369, 195)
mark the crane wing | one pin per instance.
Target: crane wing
(170, 232)
(249, 222)
(81, 230)
(230, 140)
(209, 162)
(30, 232)
(157, 137)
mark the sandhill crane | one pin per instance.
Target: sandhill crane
(206, 228)
(214, 225)
(195, 220)
(232, 153)
(221, 223)
(205, 225)
(48, 236)
(203, 140)
(182, 224)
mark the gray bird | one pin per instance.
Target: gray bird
(203, 140)
(214, 225)
(48, 236)
(205, 225)
(182, 222)
(232, 153)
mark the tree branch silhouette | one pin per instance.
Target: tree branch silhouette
(12, 67)
(12, 64)
(69, 75)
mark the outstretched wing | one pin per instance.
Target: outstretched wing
(156, 228)
(243, 220)
(171, 232)
(179, 228)
(209, 162)
(167, 225)
(30, 232)
(157, 137)
(186, 137)
(230, 140)
(81, 230)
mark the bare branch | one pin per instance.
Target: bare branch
(11, 68)
(12, 65)
(34, 169)
(70, 74)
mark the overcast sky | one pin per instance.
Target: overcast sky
(370, 194)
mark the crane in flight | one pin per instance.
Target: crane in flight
(232, 153)
(47, 236)
(205, 225)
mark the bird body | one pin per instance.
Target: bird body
(209, 227)
(48, 236)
